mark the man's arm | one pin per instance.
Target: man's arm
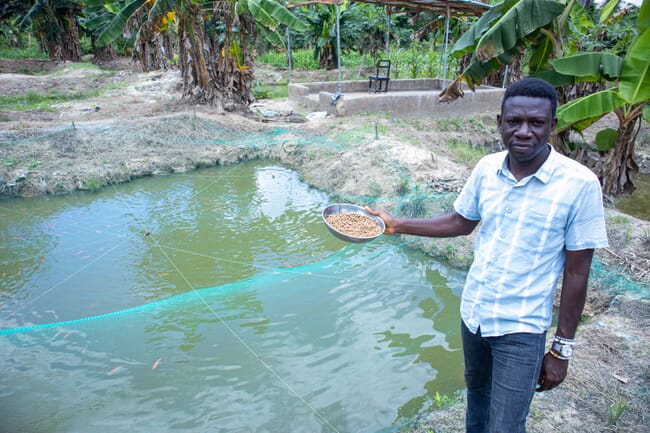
(572, 302)
(444, 226)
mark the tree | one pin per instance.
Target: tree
(502, 34)
(544, 28)
(147, 33)
(214, 42)
(627, 97)
(364, 28)
(56, 28)
(11, 13)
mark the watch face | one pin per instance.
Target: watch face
(563, 349)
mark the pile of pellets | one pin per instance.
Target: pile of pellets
(355, 225)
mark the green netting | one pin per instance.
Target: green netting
(613, 281)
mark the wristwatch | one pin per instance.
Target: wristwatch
(564, 351)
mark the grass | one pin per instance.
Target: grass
(465, 154)
(21, 53)
(9, 162)
(33, 100)
(263, 90)
(303, 59)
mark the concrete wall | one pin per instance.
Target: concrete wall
(405, 98)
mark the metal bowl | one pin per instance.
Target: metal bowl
(339, 208)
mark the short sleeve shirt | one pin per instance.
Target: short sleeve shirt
(526, 227)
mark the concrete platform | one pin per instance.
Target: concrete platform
(405, 98)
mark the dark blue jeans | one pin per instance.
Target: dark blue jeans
(501, 375)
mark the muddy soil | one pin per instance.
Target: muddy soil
(139, 125)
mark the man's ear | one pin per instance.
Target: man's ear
(553, 124)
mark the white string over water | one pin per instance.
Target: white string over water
(253, 352)
(216, 314)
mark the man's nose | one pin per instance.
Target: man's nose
(524, 129)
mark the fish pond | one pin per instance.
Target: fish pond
(215, 301)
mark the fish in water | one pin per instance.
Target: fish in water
(156, 363)
(115, 370)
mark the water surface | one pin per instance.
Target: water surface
(215, 301)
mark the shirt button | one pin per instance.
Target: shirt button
(508, 210)
(503, 236)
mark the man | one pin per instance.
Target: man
(541, 216)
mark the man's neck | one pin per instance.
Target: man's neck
(521, 170)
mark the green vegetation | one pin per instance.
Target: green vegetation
(9, 162)
(93, 184)
(413, 207)
(416, 61)
(33, 100)
(466, 154)
(262, 90)
(302, 59)
(37, 101)
(441, 400)
(21, 53)
(616, 412)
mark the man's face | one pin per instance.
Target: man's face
(525, 124)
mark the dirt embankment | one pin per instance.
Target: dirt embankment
(139, 125)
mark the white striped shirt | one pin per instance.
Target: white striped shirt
(526, 227)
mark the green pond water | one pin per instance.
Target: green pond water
(637, 203)
(215, 301)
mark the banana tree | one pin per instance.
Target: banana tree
(628, 98)
(215, 41)
(55, 26)
(501, 35)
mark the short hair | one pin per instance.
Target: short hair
(534, 88)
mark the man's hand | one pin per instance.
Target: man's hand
(552, 373)
(386, 217)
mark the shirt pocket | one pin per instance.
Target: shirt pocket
(543, 229)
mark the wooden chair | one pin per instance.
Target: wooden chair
(379, 81)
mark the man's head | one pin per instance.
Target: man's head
(527, 120)
(534, 88)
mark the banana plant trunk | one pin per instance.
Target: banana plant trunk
(217, 71)
(616, 167)
(103, 55)
(60, 45)
(149, 48)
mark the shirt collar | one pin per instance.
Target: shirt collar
(543, 173)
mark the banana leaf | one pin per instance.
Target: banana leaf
(608, 9)
(643, 22)
(477, 71)
(594, 67)
(555, 78)
(283, 15)
(605, 139)
(241, 7)
(261, 16)
(117, 25)
(161, 7)
(582, 112)
(521, 20)
(542, 49)
(273, 37)
(467, 41)
(634, 84)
